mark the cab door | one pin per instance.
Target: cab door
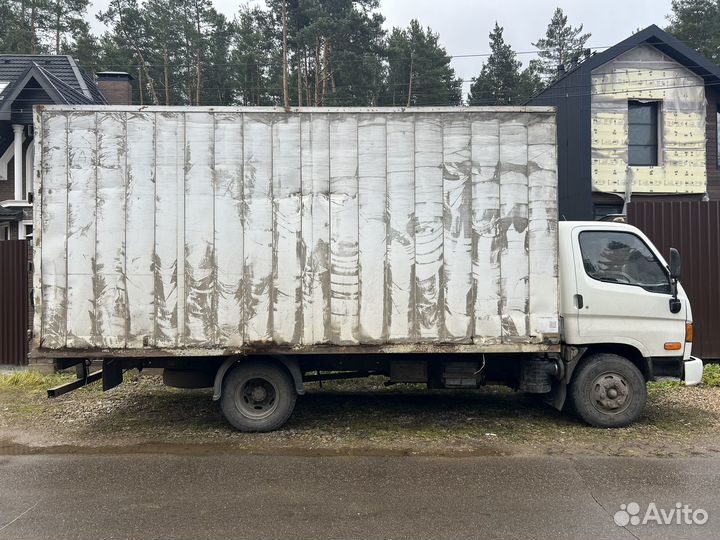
(624, 291)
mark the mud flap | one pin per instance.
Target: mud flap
(556, 396)
(112, 374)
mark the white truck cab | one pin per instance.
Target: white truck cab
(620, 299)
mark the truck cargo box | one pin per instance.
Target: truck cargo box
(198, 230)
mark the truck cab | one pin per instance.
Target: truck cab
(620, 301)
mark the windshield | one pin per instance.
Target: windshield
(622, 257)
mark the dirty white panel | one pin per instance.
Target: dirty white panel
(486, 229)
(53, 256)
(316, 227)
(401, 226)
(441, 227)
(372, 230)
(429, 229)
(200, 317)
(344, 278)
(82, 204)
(140, 228)
(645, 73)
(229, 239)
(111, 293)
(169, 166)
(542, 228)
(258, 244)
(287, 292)
(513, 228)
(457, 198)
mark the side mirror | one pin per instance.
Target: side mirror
(675, 264)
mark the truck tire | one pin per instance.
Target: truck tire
(257, 396)
(608, 391)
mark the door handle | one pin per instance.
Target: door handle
(579, 301)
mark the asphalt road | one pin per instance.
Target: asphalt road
(246, 496)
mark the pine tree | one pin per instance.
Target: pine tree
(560, 45)
(65, 20)
(419, 71)
(697, 23)
(251, 54)
(499, 82)
(84, 47)
(531, 82)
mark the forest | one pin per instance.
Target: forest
(305, 52)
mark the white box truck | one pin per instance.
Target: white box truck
(254, 249)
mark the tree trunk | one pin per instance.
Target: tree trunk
(166, 72)
(140, 86)
(325, 74)
(317, 72)
(198, 77)
(286, 91)
(198, 65)
(306, 75)
(57, 27)
(299, 83)
(410, 82)
(33, 31)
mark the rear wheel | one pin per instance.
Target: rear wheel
(608, 391)
(257, 396)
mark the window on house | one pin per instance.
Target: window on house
(4, 231)
(25, 230)
(643, 133)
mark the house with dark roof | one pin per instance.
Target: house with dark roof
(638, 121)
(27, 80)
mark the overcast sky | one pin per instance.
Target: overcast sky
(464, 25)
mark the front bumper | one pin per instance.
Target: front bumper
(692, 371)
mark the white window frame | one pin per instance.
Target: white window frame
(22, 233)
(4, 231)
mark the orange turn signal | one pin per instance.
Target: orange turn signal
(689, 332)
(673, 346)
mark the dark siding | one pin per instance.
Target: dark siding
(693, 227)
(13, 302)
(32, 94)
(571, 96)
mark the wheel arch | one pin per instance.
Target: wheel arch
(289, 363)
(633, 354)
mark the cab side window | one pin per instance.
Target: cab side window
(621, 257)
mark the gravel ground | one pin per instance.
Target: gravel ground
(348, 417)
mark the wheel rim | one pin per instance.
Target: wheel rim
(611, 393)
(256, 398)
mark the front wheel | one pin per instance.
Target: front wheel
(608, 391)
(257, 396)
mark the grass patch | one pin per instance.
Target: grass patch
(33, 381)
(711, 375)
